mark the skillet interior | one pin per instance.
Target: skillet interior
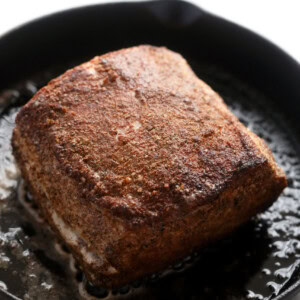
(265, 96)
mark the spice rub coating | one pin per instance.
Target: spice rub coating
(136, 162)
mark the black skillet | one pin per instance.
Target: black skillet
(259, 82)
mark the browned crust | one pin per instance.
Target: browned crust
(142, 159)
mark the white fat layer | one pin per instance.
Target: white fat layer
(64, 230)
(73, 238)
(88, 255)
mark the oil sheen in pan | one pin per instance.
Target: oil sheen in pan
(258, 262)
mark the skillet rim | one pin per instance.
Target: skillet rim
(293, 63)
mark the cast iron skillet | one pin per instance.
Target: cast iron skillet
(259, 82)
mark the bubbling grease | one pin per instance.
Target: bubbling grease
(258, 262)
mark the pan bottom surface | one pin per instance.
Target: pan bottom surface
(259, 261)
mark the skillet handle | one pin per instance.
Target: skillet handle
(177, 15)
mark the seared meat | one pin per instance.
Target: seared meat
(135, 163)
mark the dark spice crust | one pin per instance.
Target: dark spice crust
(133, 149)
